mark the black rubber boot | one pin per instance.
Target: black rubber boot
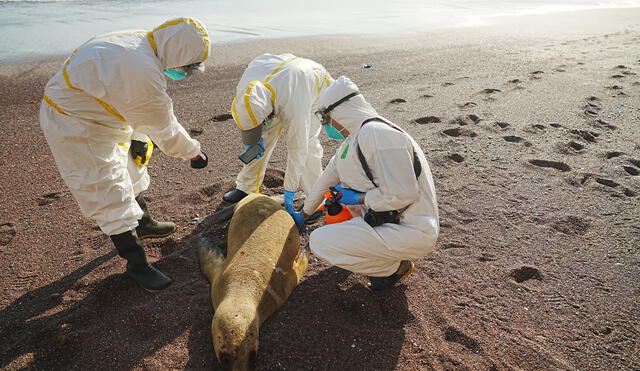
(234, 196)
(149, 228)
(382, 283)
(130, 248)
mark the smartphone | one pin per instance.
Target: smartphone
(251, 153)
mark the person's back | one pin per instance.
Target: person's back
(116, 58)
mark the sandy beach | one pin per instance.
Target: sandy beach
(532, 130)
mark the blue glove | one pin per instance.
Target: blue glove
(349, 196)
(297, 217)
(261, 143)
(288, 201)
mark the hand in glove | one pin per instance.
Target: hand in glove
(288, 201)
(349, 196)
(200, 161)
(139, 150)
(261, 143)
(298, 218)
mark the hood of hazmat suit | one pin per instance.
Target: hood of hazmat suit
(287, 87)
(389, 155)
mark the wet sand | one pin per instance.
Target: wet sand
(532, 130)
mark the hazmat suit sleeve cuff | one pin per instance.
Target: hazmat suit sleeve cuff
(328, 178)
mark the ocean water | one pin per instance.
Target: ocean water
(48, 27)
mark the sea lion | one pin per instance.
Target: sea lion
(264, 263)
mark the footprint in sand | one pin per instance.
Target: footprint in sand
(572, 225)
(629, 73)
(535, 129)
(536, 75)
(447, 84)
(484, 257)
(7, 233)
(554, 125)
(631, 170)
(593, 99)
(560, 166)
(635, 162)
(490, 91)
(525, 273)
(589, 136)
(222, 117)
(573, 147)
(636, 83)
(516, 139)
(607, 182)
(617, 76)
(561, 68)
(48, 198)
(591, 112)
(428, 120)
(515, 81)
(599, 123)
(465, 120)
(427, 96)
(398, 100)
(613, 154)
(630, 193)
(196, 132)
(615, 87)
(502, 125)
(460, 132)
(468, 105)
(454, 245)
(455, 157)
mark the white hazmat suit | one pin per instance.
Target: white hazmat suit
(354, 244)
(288, 87)
(109, 91)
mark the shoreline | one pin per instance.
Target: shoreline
(510, 24)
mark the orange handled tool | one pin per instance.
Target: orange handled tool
(336, 212)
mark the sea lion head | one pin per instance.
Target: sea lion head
(235, 336)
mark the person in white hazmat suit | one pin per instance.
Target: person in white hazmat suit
(383, 170)
(98, 113)
(276, 93)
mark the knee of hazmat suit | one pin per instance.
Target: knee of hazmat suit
(114, 85)
(282, 87)
(389, 154)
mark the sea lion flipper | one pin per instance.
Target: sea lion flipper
(210, 258)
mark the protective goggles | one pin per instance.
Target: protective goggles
(323, 114)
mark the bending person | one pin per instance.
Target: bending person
(98, 113)
(381, 168)
(276, 93)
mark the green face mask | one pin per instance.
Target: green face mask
(267, 124)
(333, 133)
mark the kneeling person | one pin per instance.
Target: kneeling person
(380, 167)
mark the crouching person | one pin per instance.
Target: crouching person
(380, 167)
